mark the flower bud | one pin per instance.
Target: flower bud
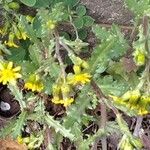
(51, 24)
(77, 69)
(85, 65)
(14, 5)
(126, 96)
(56, 89)
(26, 140)
(65, 88)
(139, 57)
(135, 95)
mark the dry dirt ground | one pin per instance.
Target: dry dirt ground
(108, 11)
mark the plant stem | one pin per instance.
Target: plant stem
(59, 56)
(138, 126)
(102, 123)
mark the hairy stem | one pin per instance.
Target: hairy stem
(102, 123)
(59, 56)
(138, 126)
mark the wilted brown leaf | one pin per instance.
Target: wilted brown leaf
(9, 144)
(129, 64)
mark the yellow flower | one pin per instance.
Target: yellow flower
(142, 111)
(34, 84)
(85, 65)
(56, 100)
(118, 100)
(51, 24)
(66, 102)
(77, 69)
(134, 101)
(21, 35)
(143, 105)
(20, 139)
(29, 18)
(81, 78)
(10, 42)
(24, 35)
(139, 57)
(65, 89)
(56, 89)
(8, 73)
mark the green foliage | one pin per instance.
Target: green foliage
(111, 86)
(14, 127)
(58, 128)
(7, 130)
(81, 10)
(138, 7)
(75, 113)
(18, 95)
(82, 20)
(112, 47)
(50, 46)
(78, 22)
(17, 54)
(39, 3)
(28, 2)
(39, 110)
(110, 129)
(19, 124)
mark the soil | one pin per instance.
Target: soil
(109, 11)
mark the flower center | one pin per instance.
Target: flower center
(7, 74)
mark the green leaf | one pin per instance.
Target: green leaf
(17, 54)
(78, 22)
(113, 46)
(76, 112)
(118, 68)
(100, 55)
(17, 95)
(37, 27)
(39, 111)
(100, 32)
(7, 130)
(35, 54)
(82, 34)
(50, 67)
(28, 28)
(111, 86)
(81, 10)
(29, 3)
(138, 7)
(19, 124)
(71, 3)
(8, 1)
(40, 3)
(58, 127)
(48, 82)
(88, 21)
(28, 67)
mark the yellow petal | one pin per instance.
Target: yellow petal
(18, 68)
(4, 82)
(10, 65)
(18, 75)
(1, 66)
